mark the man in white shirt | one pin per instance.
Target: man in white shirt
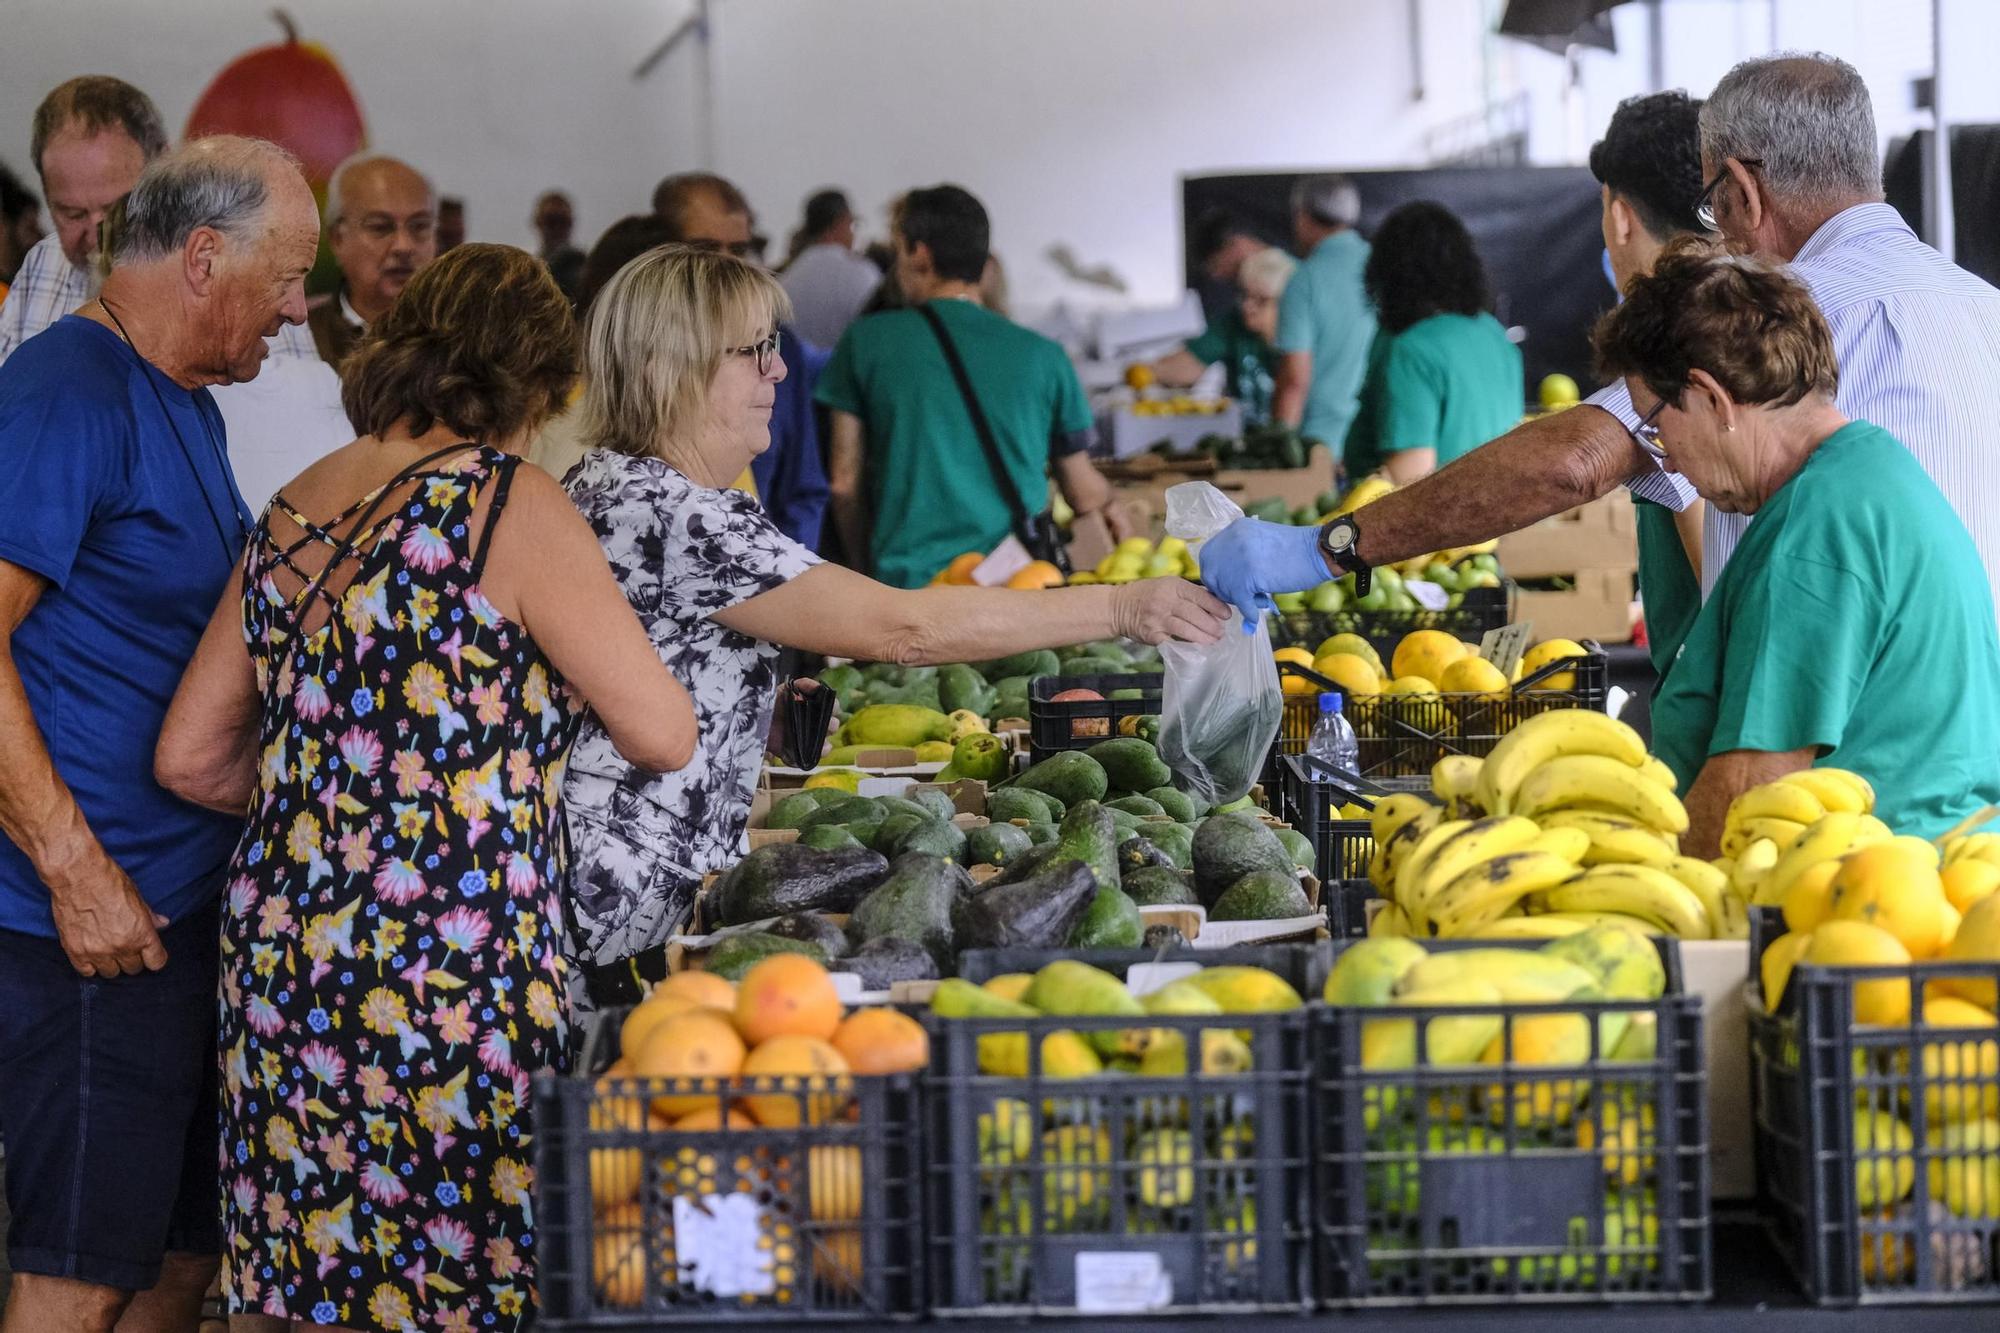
(829, 284)
(381, 224)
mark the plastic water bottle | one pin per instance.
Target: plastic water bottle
(1333, 740)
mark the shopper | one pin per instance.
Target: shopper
(828, 283)
(1789, 146)
(381, 224)
(392, 973)
(1325, 323)
(681, 363)
(1853, 578)
(554, 222)
(119, 529)
(1241, 339)
(905, 447)
(20, 225)
(1443, 376)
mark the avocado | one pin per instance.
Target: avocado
(1110, 922)
(1038, 912)
(1109, 649)
(1145, 807)
(1261, 895)
(1127, 693)
(938, 837)
(1026, 865)
(789, 810)
(884, 961)
(830, 838)
(996, 844)
(1093, 666)
(1070, 776)
(844, 677)
(959, 686)
(1176, 840)
(1040, 662)
(1163, 936)
(895, 826)
(1131, 764)
(1089, 834)
(1298, 846)
(785, 877)
(1159, 886)
(1136, 853)
(1124, 821)
(915, 904)
(1043, 831)
(1175, 803)
(859, 815)
(739, 953)
(935, 803)
(1228, 847)
(814, 928)
(1011, 803)
(904, 805)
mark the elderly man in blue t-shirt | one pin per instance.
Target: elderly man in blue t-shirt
(119, 532)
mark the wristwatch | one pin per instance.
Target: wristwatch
(1337, 542)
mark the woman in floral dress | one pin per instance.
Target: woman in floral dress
(392, 695)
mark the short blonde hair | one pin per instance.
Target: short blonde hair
(1266, 272)
(656, 335)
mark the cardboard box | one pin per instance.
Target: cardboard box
(886, 762)
(1603, 534)
(1129, 434)
(1297, 487)
(1598, 607)
(1717, 971)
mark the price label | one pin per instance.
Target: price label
(715, 1244)
(1008, 559)
(1505, 646)
(1427, 594)
(1145, 978)
(1122, 1282)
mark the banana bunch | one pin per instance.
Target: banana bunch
(1767, 871)
(1781, 810)
(1972, 847)
(1572, 758)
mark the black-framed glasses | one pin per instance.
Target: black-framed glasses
(765, 352)
(1647, 432)
(1704, 205)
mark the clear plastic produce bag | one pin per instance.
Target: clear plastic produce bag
(1221, 702)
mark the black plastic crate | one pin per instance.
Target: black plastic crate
(1846, 1119)
(1481, 610)
(1579, 1182)
(835, 1207)
(1079, 724)
(1200, 1180)
(1346, 903)
(1303, 965)
(1313, 793)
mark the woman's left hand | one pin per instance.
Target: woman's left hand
(1155, 610)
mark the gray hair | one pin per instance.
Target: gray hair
(336, 183)
(1331, 201)
(1266, 272)
(221, 182)
(1807, 117)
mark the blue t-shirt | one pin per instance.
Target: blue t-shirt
(101, 498)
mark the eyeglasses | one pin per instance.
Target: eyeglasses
(765, 351)
(740, 249)
(1704, 204)
(1648, 434)
(377, 227)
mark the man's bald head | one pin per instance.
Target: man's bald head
(704, 209)
(381, 217)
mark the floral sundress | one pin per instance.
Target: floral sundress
(392, 970)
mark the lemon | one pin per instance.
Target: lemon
(1426, 653)
(1547, 651)
(1474, 675)
(1557, 390)
(1355, 644)
(1355, 675)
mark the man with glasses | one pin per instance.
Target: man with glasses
(1793, 174)
(381, 219)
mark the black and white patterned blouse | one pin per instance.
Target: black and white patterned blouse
(641, 842)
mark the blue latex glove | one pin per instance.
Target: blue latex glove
(1250, 560)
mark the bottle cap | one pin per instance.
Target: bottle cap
(1330, 702)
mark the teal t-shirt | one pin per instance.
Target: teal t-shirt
(1853, 616)
(930, 489)
(1671, 592)
(1249, 364)
(1449, 383)
(1326, 311)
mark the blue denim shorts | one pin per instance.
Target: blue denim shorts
(108, 1108)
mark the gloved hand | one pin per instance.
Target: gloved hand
(1250, 560)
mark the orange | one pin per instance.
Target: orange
(1848, 943)
(1966, 882)
(786, 995)
(1425, 653)
(645, 1020)
(959, 572)
(714, 1117)
(1037, 574)
(701, 987)
(700, 1045)
(1893, 885)
(797, 1065)
(618, 1258)
(882, 1041)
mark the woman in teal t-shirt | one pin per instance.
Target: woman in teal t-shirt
(1853, 625)
(1442, 378)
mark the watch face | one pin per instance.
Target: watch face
(1339, 537)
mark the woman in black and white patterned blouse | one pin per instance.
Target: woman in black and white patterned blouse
(681, 361)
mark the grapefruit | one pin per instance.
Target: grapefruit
(882, 1041)
(786, 995)
(1849, 943)
(1426, 653)
(702, 987)
(700, 1047)
(1035, 575)
(798, 1065)
(645, 1020)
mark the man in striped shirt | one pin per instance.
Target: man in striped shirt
(1789, 150)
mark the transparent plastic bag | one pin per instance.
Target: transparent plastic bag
(1221, 703)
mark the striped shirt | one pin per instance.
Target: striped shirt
(49, 287)
(1918, 342)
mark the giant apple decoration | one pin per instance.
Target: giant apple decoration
(293, 94)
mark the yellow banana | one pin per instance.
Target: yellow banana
(1641, 891)
(1706, 883)
(1485, 892)
(1405, 841)
(1783, 832)
(1835, 788)
(1775, 800)
(1392, 812)
(1973, 847)
(1615, 839)
(1455, 781)
(1656, 769)
(1569, 843)
(1735, 923)
(1388, 922)
(1528, 928)
(1593, 781)
(1833, 836)
(1586, 919)
(1480, 840)
(1412, 864)
(1548, 736)
(1753, 867)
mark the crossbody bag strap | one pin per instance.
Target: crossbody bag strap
(980, 426)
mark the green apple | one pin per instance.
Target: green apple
(1327, 598)
(1288, 602)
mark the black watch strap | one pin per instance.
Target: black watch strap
(1341, 550)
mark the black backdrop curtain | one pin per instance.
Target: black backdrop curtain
(1975, 191)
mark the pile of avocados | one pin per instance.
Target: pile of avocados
(1080, 844)
(994, 689)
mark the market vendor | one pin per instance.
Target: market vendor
(1241, 338)
(1853, 624)
(1443, 377)
(681, 362)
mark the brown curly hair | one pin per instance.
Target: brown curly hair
(1747, 323)
(482, 341)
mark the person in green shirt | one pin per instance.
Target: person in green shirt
(1853, 625)
(1240, 339)
(1325, 322)
(1443, 377)
(911, 485)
